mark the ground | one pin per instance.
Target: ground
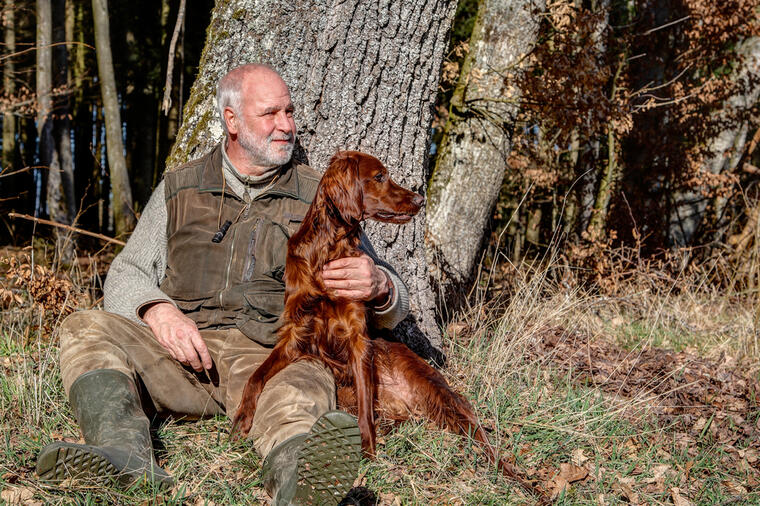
(644, 395)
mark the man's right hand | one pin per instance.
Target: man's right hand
(178, 334)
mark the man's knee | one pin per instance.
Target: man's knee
(89, 323)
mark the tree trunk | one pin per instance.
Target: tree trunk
(362, 76)
(124, 218)
(725, 149)
(46, 145)
(477, 139)
(9, 86)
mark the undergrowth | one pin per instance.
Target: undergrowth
(582, 432)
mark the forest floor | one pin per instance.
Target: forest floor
(647, 396)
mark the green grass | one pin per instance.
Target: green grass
(540, 417)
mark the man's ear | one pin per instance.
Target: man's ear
(341, 189)
(230, 119)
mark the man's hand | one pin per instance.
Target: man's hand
(356, 278)
(178, 334)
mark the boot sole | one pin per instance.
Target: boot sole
(328, 463)
(60, 461)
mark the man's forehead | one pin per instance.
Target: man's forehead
(266, 90)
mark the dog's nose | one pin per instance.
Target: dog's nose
(418, 200)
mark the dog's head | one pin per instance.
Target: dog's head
(356, 186)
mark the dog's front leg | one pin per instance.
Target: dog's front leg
(275, 362)
(362, 364)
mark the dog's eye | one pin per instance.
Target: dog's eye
(380, 177)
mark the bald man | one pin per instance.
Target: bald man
(191, 310)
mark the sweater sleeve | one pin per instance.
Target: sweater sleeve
(136, 273)
(399, 307)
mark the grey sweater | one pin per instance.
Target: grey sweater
(135, 275)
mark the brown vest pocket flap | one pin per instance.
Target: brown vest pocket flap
(268, 303)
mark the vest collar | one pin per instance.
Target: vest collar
(211, 177)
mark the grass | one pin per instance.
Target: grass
(541, 415)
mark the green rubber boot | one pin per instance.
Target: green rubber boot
(315, 468)
(116, 430)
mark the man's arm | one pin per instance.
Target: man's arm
(132, 288)
(135, 274)
(370, 279)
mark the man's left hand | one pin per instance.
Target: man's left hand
(356, 278)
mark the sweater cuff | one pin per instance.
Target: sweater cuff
(399, 305)
(153, 297)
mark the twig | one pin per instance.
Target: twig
(19, 53)
(67, 227)
(167, 102)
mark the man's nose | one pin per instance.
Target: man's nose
(282, 122)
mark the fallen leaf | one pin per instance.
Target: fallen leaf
(623, 485)
(734, 487)
(572, 473)
(17, 495)
(678, 499)
(577, 457)
(568, 473)
(456, 328)
(750, 454)
(557, 485)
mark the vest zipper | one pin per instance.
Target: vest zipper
(251, 263)
(229, 263)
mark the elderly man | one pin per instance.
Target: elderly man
(192, 304)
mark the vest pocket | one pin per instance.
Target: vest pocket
(264, 304)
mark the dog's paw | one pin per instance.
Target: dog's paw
(241, 426)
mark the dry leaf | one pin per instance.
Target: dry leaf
(568, 473)
(577, 457)
(734, 487)
(572, 473)
(624, 486)
(678, 499)
(17, 495)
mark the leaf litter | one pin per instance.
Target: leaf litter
(695, 400)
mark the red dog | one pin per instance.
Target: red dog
(379, 373)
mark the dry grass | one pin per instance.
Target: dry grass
(581, 441)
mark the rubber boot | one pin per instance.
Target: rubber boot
(315, 468)
(116, 432)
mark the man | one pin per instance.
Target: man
(192, 304)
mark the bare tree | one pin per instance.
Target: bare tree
(52, 120)
(9, 84)
(124, 218)
(477, 137)
(363, 75)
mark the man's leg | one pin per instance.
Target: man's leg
(311, 451)
(102, 357)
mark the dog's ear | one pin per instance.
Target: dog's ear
(341, 189)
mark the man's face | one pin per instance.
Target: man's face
(265, 127)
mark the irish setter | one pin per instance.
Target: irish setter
(369, 373)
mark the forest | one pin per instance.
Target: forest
(586, 269)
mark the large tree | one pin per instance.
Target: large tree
(477, 137)
(363, 75)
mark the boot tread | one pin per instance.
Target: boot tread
(329, 460)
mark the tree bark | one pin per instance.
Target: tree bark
(52, 121)
(124, 218)
(363, 75)
(9, 86)
(477, 139)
